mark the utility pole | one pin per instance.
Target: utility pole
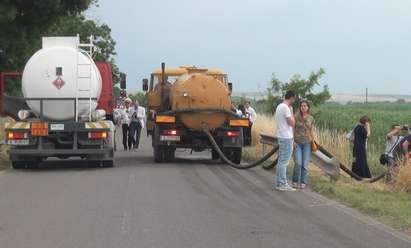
(366, 95)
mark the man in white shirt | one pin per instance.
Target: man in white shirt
(122, 118)
(137, 118)
(252, 116)
(285, 121)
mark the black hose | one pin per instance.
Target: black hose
(202, 110)
(351, 173)
(272, 165)
(234, 165)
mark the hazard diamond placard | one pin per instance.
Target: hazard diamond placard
(59, 82)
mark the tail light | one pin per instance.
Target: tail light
(170, 132)
(39, 128)
(97, 135)
(16, 135)
(232, 133)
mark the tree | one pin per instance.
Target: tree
(304, 88)
(141, 97)
(23, 23)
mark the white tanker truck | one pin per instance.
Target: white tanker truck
(67, 99)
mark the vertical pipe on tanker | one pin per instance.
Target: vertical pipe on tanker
(163, 83)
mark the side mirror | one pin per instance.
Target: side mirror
(145, 84)
(123, 80)
(230, 87)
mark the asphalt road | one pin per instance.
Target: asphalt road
(190, 203)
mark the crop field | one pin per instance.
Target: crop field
(342, 118)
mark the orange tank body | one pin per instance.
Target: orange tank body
(200, 91)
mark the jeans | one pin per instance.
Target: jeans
(285, 150)
(302, 157)
(134, 134)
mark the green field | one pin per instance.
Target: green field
(341, 117)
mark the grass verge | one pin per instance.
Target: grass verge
(390, 207)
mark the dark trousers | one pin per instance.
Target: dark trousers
(134, 134)
(124, 129)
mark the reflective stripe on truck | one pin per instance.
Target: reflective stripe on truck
(17, 125)
(97, 125)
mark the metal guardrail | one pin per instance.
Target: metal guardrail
(330, 165)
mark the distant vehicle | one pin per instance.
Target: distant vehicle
(185, 100)
(66, 108)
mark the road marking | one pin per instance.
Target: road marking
(124, 223)
(125, 217)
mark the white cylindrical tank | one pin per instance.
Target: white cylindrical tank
(61, 70)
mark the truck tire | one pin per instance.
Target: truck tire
(214, 154)
(107, 163)
(18, 165)
(233, 154)
(163, 154)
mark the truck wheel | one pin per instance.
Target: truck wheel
(214, 154)
(17, 165)
(169, 153)
(158, 154)
(107, 163)
(233, 154)
(164, 154)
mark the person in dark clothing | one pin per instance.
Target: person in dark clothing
(361, 132)
(243, 114)
(406, 147)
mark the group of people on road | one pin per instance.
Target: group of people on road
(246, 111)
(131, 117)
(296, 132)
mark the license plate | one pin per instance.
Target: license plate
(57, 127)
(18, 142)
(169, 138)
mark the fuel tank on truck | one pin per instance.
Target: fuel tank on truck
(61, 70)
(200, 91)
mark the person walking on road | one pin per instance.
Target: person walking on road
(252, 117)
(285, 121)
(361, 134)
(124, 121)
(303, 135)
(138, 115)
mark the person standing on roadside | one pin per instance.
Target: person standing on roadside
(252, 116)
(406, 146)
(285, 121)
(361, 134)
(138, 115)
(393, 138)
(303, 135)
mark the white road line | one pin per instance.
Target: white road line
(124, 223)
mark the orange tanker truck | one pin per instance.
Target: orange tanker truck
(183, 102)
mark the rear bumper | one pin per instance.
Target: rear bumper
(57, 152)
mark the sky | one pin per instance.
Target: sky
(360, 43)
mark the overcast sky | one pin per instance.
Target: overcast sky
(359, 43)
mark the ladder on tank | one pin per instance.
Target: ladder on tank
(83, 74)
